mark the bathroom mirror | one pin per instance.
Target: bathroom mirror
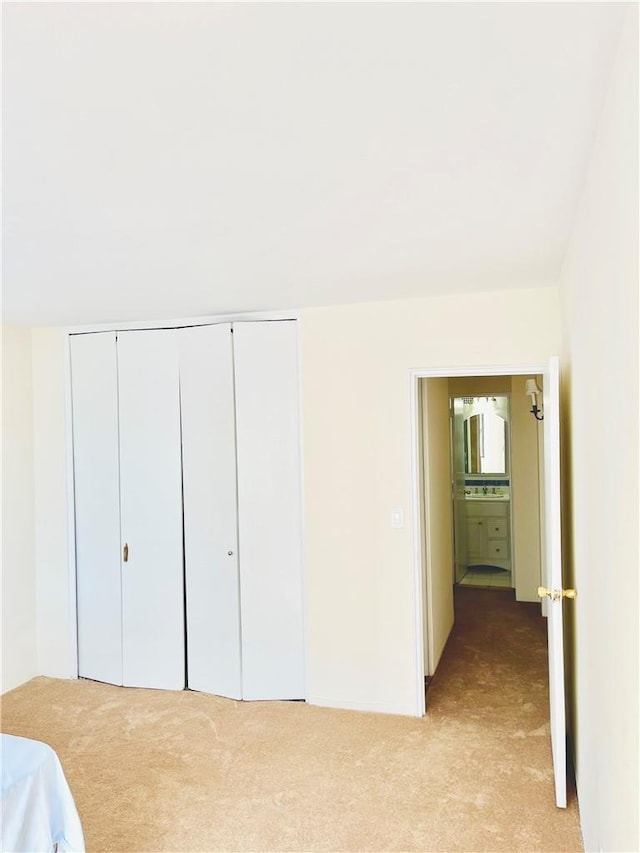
(486, 435)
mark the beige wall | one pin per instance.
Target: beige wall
(600, 308)
(527, 488)
(438, 539)
(355, 363)
(479, 386)
(19, 654)
(56, 650)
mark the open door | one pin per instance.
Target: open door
(553, 577)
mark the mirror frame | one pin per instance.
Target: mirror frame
(469, 422)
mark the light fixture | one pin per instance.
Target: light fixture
(532, 390)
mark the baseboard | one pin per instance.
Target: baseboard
(371, 707)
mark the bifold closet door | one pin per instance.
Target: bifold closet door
(210, 510)
(94, 404)
(151, 509)
(267, 430)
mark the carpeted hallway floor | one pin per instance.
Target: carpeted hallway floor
(159, 771)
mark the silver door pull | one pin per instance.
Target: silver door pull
(230, 553)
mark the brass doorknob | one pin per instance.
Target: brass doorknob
(555, 594)
(125, 553)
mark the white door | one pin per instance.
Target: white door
(151, 509)
(553, 579)
(210, 510)
(94, 403)
(269, 512)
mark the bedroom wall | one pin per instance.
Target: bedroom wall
(355, 434)
(56, 650)
(599, 289)
(355, 362)
(19, 644)
(528, 487)
(438, 541)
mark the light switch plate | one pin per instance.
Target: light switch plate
(397, 517)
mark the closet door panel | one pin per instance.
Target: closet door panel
(151, 509)
(210, 510)
(94, 403)
(269, 510)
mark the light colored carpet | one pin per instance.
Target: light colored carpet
(160, 771)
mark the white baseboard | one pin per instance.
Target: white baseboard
(370, 707)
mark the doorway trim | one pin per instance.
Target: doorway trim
(418, 548)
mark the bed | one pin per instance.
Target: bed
(38, 811)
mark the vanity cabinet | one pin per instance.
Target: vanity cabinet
(488, 534)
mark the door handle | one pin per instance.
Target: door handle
(556, 594)
(125, 553)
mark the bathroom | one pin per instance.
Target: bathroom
(480, 462)
(496, 459)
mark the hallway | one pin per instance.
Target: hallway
(494, 666)
(486, 576)
(495, 655)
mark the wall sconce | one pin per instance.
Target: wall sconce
(532, 390)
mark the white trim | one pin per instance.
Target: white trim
(415, 374)
(424, 547)
(417, 611)
(305, 621)
(364, 707)
(478, 370)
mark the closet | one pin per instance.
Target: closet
(187, 508)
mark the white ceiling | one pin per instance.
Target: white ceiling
(164, 160)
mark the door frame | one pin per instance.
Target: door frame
(420, 571)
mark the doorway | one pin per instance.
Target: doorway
(441, 561)
(433, 622)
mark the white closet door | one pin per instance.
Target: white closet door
(97, 505)
(210, 510)
(269, 510)
(151, 509)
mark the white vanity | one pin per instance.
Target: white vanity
(488, 525)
